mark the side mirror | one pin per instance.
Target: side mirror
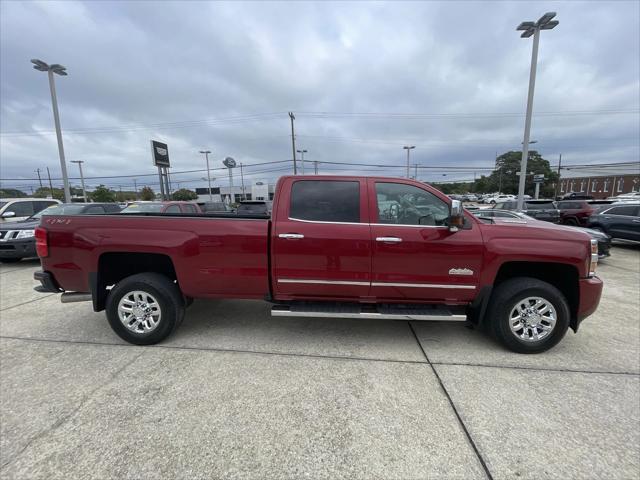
(8, 214)
(456, 217)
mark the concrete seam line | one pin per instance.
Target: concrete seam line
(30, 301)
(537, 369)
(218, 350)
(453, 407)
(65, 418)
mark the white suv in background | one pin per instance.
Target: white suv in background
(16, 209)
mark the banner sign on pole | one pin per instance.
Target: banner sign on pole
(160, 154)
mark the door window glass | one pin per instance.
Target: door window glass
(21, 209)
(189, 208)
(629, 210)
(402, 204)
(172, 209)
(325, 201)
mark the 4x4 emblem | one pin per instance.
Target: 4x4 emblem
(460, 271)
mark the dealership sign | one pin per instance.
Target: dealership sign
(160, 154)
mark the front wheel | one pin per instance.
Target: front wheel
(144, 309)
(528, 315)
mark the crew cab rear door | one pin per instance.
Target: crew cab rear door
(415, 256)
(321, 243)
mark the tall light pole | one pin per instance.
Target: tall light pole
(545, 22)
(408, 148)
(292, 117)
(302, 152)
(62, 71)
(84, 192)
(206, 156)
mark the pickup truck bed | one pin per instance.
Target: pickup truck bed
(335, 246)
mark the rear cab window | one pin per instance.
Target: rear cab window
(325, 201)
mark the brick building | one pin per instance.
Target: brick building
(601, 186)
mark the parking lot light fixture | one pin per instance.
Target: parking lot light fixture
(62, 71)
(529, 29)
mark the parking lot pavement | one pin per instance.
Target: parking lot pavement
(183, 413)
(236, 393)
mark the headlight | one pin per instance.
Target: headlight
(25, 234)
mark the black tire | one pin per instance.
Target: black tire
(166, 293)
(572, 222)
(506, 297)
(10, 260)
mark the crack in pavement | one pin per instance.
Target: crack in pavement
(453, 407)
(25, 303)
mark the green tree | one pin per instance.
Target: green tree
(102, 194)
(184, 194)
(11, 193)
(505, 179)
(147, 194)
(45, 192)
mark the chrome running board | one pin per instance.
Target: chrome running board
(444, 313)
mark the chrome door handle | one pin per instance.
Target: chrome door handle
(291, 236)
(388, 239)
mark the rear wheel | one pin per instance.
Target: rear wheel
(144, 309)
(571, 222)
(528, 315)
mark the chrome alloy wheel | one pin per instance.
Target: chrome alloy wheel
(139, 312)
(532, 319)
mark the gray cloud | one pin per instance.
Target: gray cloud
(133, 65)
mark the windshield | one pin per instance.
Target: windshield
(143, 208)
(2, 204)
(59, 210)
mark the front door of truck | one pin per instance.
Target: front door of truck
(415, 256)
(321, 244)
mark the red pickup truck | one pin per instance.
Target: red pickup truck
(354, 247)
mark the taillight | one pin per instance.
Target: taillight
(594, 257)
(42, 246)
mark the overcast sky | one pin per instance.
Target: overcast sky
(362, 78)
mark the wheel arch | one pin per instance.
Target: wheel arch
(562, 276)
(115, 266)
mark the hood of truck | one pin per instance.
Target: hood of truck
(537, 229)
(21, 225)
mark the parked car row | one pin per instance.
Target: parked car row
(17, 238)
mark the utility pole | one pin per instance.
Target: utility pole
(293, 143)
(302, 152)
(415, 176)
(315, 166)
(206, 156)
(408, 148)
(135, 186)
(555, 190)
(530, 28)
(84, 192)
(39, 179)
(50, 184)
(62, 71)
(242, 182)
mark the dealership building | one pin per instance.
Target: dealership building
(601, 186)
(258, 190)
